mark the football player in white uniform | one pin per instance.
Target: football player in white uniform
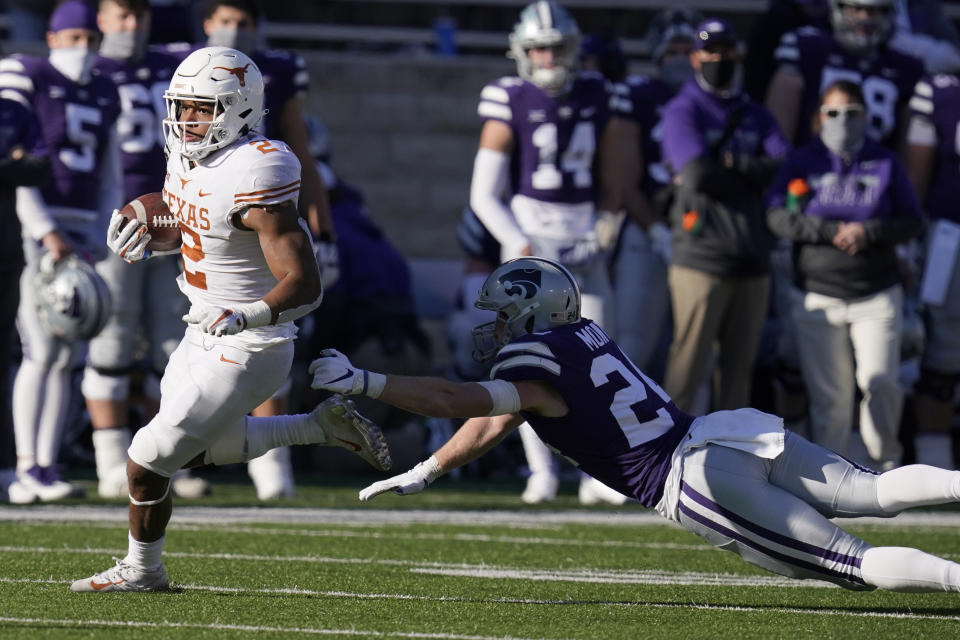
(249, 271)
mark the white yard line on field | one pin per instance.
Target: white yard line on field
(216, 626)
(906, 615)
(363, 516)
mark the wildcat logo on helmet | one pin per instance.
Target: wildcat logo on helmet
(522, 282)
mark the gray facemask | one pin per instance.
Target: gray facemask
(843, 135)
(239, 39)
(676, 71)
(126, 45)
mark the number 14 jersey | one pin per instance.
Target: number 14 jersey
(224, 265)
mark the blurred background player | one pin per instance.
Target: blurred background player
(145, 296)
(642, 253)
(933, 162)
(548, 138)
(23, 162)
(77, 110)
(856, 50)
(723, 149)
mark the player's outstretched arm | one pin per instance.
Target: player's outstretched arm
(472, 440)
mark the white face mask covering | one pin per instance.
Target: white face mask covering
(239, 39)
(73, 62)
(126, 45)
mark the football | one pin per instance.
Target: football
(151, 209)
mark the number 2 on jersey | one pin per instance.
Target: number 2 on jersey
(194, 253)
(577, 158)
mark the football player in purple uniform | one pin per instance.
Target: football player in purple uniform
(144, 294)
(810, 59)
(736, 478)
(643, 249)
(933, 162)
(77, 109)
(546, 170)
(847, 305)
(235, 23)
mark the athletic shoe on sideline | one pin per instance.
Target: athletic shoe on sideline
(38, 483)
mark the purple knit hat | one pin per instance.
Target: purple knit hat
(74, 14)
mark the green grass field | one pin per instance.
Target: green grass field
(460, 561)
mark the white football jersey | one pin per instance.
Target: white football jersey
(224, 266)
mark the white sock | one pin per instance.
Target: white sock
(905, 569)
(539, 455)
(29, 387)
(269, 432)
(916, 485)
(144, 555)
(53, 416)
(110, 451)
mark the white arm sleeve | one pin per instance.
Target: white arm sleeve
(487, 188)
(35, 220)
(505, 397)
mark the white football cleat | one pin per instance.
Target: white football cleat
(123, 577)
(113, 485)
(272, 475)
(187, 485)
(38, 483)
(343, 426)
(541, 487)
(592, 491)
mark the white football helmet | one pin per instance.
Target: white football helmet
(860, 35)
(73, 302)
(229, 81)
(528, 294)
(545, 24)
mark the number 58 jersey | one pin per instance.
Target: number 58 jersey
(224, 266)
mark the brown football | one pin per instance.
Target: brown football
(151, 209)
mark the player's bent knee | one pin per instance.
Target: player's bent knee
(163, 449)
(105, 384)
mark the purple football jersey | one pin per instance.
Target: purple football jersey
(694, 119)
(555, 138)
(75, 122)
(141, 86)
(936, 101)
(874, 185)
(644, 99)
(621, 428)
(284, 77)
(887, 79)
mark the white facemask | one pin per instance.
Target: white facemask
(125, 45)
(73, 62)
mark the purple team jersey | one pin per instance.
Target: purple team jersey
(887, 78)
(621, 427)
(75, 124)
(936, 101)
(642, 100)
(284, 74)
(555, 138)
(694, 119)
(873, 185)
(141, 86)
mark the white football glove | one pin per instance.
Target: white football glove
(661, 240)
(225, 322)
(333, 371)
(328, 259)
(413, 481)
(607, 228)
(130, 243)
